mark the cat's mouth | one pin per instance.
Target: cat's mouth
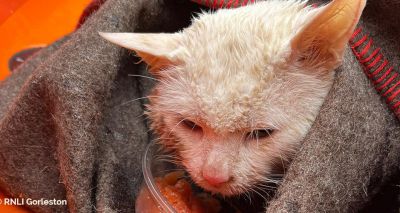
(230, 188)
(235, 187)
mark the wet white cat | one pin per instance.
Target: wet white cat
(239, 89)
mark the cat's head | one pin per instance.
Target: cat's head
(239, 89)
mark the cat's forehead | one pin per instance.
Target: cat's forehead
(241, 45)
(232, 57)
(254, 35)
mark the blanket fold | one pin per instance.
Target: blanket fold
(65, 130)
(72, 124)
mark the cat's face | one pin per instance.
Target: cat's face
(233, 132)
(238, 90)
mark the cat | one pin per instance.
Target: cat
(239, 89)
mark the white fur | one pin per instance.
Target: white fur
(237, 79)
(235, 71)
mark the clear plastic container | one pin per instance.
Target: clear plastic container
(150, 198)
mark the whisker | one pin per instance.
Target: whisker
(168, 157)
(130, 101)
(272, 181)
(280, 176)
(268, 187)
(143, 76)
(172, 170)
(169, 134)
(255, 191)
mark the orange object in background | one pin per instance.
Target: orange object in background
(32, 23)
(11, 209)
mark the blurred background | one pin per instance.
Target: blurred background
(27, 24)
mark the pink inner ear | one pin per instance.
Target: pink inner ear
(324, 38)
(153, 48)
(156, 63)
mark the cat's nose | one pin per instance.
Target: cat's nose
(215, 179)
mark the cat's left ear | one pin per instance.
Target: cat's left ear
(321, 43)
(158, 50)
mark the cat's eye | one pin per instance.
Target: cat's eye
(191, 125)
(259, 134)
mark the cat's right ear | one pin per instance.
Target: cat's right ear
(158, 50)
(321, 43)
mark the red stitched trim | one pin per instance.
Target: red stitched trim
(359, 42)
(253, 1)
(237, 3)
(371, 56)
(245, 2)
(214, 4)
(374, 62)
(396, 105)
(358, 30)
(394, 95)
(221, 3)
(366, 48)
(384, 75)
(207, 3)
(376, 58)
(391, 89)
(229, 4)
(387, 82)
(380, 68)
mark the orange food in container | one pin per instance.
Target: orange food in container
(170, 192)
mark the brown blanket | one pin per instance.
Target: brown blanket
(70, 130)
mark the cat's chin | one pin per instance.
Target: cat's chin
(227, 189)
